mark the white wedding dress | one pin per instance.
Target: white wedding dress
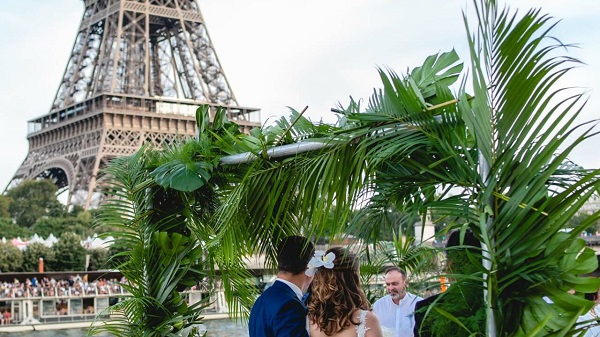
(361, 329)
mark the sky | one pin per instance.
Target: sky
(279, 53)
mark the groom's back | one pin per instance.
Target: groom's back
(278, 313)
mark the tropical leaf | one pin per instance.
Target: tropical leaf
(182, 176)
(520, 126)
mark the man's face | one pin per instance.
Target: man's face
(395, 285)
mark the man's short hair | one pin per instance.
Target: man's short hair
(394, 268)
(293, 254)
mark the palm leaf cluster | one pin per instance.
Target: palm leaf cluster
(524, 130)
(494, 162)
(159, 258)
(162, 202)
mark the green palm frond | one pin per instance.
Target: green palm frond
(160, 257)
(522, 127)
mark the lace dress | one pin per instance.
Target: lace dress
(361, 329)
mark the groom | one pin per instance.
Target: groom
(279, 311)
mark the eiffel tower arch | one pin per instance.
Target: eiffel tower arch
(137, 72)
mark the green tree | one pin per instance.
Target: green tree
(32, 200)
(78, 225)
(577, 219)
(75, 210)
(46, 226)
(4, 206)
(98, 259)
(11, 258)
(69, 253)
(116, 255)
(58, 225)
(9, 230)
(33, 253)
(85, 217)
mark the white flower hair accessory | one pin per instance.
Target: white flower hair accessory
(320, 259)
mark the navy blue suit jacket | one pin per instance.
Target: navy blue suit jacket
(278, 312)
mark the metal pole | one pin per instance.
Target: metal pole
(275, 152)
(292, 149)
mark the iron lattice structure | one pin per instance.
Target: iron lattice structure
(137, 72)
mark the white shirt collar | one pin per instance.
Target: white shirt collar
(293, 286)
(407, 298)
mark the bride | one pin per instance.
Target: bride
(337, 306)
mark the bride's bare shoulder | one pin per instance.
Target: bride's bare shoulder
(373, 326)
(372, 317)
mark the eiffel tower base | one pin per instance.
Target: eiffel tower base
(73, 153)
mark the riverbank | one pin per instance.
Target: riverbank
(74, 325)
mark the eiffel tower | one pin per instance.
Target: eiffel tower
(137, 73)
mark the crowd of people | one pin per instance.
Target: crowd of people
(5, 317)
(74, 285)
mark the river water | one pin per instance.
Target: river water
(216, 328)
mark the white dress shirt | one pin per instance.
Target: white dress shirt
(398, 317)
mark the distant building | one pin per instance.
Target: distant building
(591, 206)
(425, 233)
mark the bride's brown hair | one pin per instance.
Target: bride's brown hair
(336, 294)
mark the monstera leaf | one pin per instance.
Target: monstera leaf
(182, 176)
